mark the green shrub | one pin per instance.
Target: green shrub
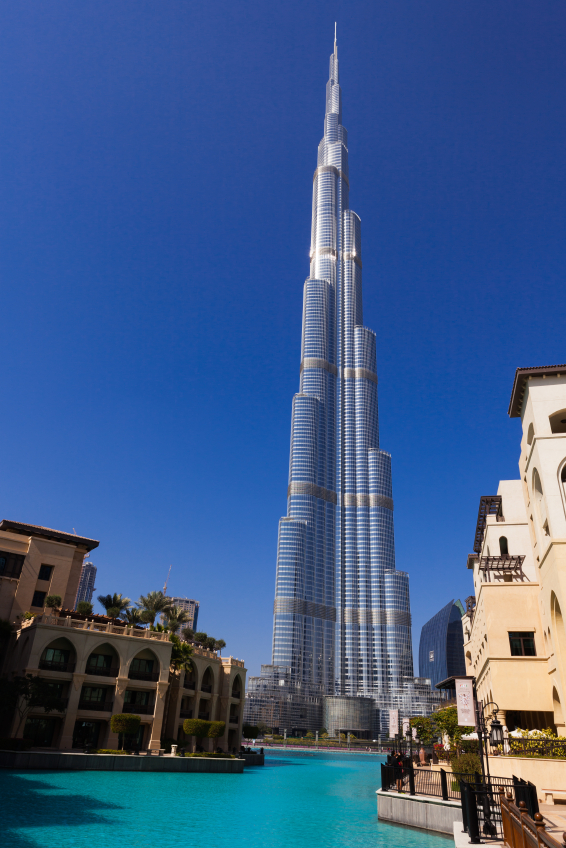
(215, 756)
(107, 751)
(53, 601)
(84, 608)
(466, 764)
(196, 727)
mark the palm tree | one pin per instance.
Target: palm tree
(152, 604)
(180, 654)
(132, 615)
(219, 644)
(175, 617)
(114, 604)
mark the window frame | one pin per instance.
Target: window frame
(50, 572)
(522, 637)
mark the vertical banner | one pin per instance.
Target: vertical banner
(393, 723)
(465, 702)
(414, 732)
(406, 726)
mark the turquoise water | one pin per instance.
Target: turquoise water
(294, 801)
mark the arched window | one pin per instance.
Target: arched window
(530, 434)
(558, 421)
(539, 500)
(503, 546)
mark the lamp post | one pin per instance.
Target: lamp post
(495, 734)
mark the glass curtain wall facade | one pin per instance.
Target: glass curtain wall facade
(342, 624)
(441, 647)
(86, 583)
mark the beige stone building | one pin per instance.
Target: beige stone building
(514, 635)
(99, 667)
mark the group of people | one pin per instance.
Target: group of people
(399, 763)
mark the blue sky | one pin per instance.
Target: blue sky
(156, 165)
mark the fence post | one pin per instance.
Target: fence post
(472, 814)
(443, 785)
(412, 781)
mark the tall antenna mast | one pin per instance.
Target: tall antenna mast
(167, 581)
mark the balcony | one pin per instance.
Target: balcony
(203, 716)
(51, 665)
(233, 719)
(189, 684)
(144, 675)
(186, 714)
(102, 671)
(206, 688)
(98, 706)
(237, 695)
(141, 709)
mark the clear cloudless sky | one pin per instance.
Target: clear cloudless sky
(156, 163)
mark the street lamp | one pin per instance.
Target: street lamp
(496, 736)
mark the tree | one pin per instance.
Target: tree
(189, 634)
(446, 721)
(152, 604)
(219, 644)
(216, 729)
(250, 731)
(132, 616)
(84, 608)
(310, 735)
(125, 725)
(180, 654)
(175, 617)
(262, 728)
(196, 727)
(425, 728)
(211, 643)
(53, 602)
(201, 637)
(114, 602)
(21, 694)
(323, 731)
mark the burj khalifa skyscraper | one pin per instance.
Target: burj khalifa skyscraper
(342, 624)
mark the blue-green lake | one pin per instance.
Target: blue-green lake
(294, 801)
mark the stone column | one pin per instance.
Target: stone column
(155, 742)
(117, 706)
(75, 690)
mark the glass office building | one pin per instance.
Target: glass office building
(86, 583)
(441, 648)
(342, 624)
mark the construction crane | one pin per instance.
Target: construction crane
(167, 581)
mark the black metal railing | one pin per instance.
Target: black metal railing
(142, 709)
(438, 784)
(236, 694)
(144, 675)
(186, 714)
(233, 719)
(102, 671)
(51, 665)
(203, 716)
(206, 687)
(189, 684)
(98, 706)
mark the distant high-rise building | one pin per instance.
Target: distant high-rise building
(441, 649)
(86, 583)
(189, 606)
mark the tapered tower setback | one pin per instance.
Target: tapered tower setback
(342, 623)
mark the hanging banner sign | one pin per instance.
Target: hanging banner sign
(465, 702)
(406, 726)
(393, 723)
(414, 732)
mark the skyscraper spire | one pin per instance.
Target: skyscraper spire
(342, 625)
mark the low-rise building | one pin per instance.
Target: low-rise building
(515, 639)
(99, 667)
